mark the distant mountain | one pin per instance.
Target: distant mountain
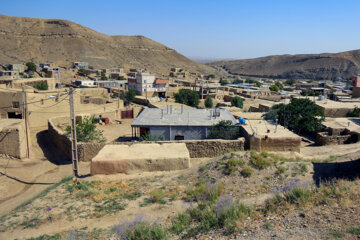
(305, 66)
(60, 41)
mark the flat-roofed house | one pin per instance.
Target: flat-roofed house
(179, 124)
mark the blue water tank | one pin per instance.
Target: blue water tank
(242, 121)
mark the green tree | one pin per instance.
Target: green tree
(279, 84)
(86, 130)
(223, 82)
(121, 78)
(41, 86)
(300, 115)
(83, 72)
(209, 102)
(237, 81)
(91, 67)
(290, 82)
(31, 66)
(211, 76)
(237, 102)
(130, 95)
(249, 80)
(188, 97)
(103, 78)
(274, 88)
(257, 84)
(225, 129)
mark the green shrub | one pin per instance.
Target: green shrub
(41, 86)
(246, 171)
(298, 195)
(209, 102)
(86, 130)
(204, 192)
(237, 102)
(151, 138)
(141, 231)
(281, 170)
(354, 113)
(157, 196)
(130, 95)
(260, 160)
(232, 165)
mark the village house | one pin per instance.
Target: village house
(78, 65)
(17, 67)
(9, 74)
(145, 84)
(178, 124)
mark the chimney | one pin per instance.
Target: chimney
(170, 109)
(167, 109)
(162, 113)
(182, 108)
(210, 114)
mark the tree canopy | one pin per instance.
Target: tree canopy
(274, 88)
(300, 115)
(31, 66)
(130, 95)
(209, 102)
(237, 102)
(188, 97)
(225, 129)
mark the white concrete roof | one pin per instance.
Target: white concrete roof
(178, 117)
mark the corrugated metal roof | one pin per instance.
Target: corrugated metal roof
(178, 117)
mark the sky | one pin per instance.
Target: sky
(214, 29)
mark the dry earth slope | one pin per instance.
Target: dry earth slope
(305, 66)
(60, 41)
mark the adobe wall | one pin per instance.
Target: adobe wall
(13, 139)
(335, 112)
(356, 92)
(274, 144)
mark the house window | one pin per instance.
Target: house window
(15, 104)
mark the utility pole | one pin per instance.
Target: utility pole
(74, 152)
(25, 116)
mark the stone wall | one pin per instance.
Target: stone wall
(335, 112)
(323, 138)
(58, 137)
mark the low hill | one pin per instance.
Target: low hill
(63, 42)
(302, 66)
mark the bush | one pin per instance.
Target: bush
(130, 95)
(204, 192)
(223, 82)
(237, 102)
(209, 102)
(140, 230)
(260, 160)
(86, 130)
(274, 88)
(225, 129)
(41, 86)
(157, 196)
(151, 138)
(354, 113)
(232, 165)
(83, 72)
(187, 97)
(246, 172)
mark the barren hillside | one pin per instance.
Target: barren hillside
(63, 42)
(312, 66)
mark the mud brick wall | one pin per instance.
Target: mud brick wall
(275, 144)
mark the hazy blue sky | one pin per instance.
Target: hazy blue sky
(214, 28)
